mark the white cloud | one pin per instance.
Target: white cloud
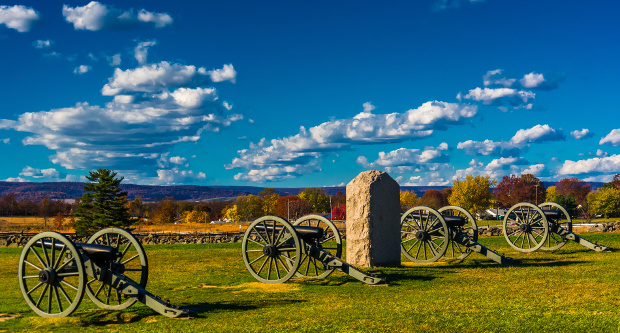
(18, 17)
(81, 69)
(536, 170)
(601, 153)
(152, 78)
(96, 16)
(522, 139)
(340, 134)
(537, 134)
(404, 157)
(178, 160)
(532, 80)
(6, 140)
(141, 51)
(160, 19)
(492, 78)
(39, 173)
(227, 73)
(608, 164)
(43, 44)
(495, 169)
(502, 96)
(368, 107)
(115, 60)
(583, 134)
(16, 180)
(612, 139)
(131, 133)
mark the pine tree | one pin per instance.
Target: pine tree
(103, 204)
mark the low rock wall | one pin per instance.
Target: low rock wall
(19, 240)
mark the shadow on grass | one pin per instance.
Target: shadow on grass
(202, 308)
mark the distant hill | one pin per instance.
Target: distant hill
(72, 190)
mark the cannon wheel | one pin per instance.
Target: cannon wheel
(424, 235)
(555, 241)
(456, 250)
(309, 266)
(271, 250)
(51, 280)
(532, 228)
(132, 263)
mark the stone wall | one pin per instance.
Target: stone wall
(19, 240)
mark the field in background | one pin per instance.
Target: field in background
(570, 290)
(31, 224)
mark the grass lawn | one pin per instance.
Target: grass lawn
(570, 290)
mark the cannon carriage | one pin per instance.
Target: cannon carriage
(275, 250)
(548, 226)
(111, 268)
(451, 232)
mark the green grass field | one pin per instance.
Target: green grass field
(570, 290)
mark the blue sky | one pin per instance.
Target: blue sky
(294, 94)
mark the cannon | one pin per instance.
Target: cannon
(274, 250)
(548, 226)
(428, 235)
(111, 268)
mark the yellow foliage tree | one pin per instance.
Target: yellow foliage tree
(270, 204)
(196, 217)
(606, 201)
(472, 193)
(408, 199)
(552, 194)
(233, 214)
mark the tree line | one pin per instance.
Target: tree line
(477, 194)
(105, 204)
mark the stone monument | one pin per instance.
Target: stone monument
(373, 220)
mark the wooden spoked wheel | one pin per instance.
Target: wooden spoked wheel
(424, 235)
(271, 250)
(555, 241)
(456, 250)
(132, 263)
(525, 227)
(331, 242)
(51, 275)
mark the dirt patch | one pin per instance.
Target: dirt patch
(8, 316)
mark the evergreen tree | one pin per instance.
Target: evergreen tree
(103, 204)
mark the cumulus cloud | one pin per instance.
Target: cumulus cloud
(43, 44)
(505, 92)
(18, 17)
(611, 139)
(6, 140)
(596, 165)
(583, 134)
(403, 159)
(154, 77)
(227, 73)
(81, 69)
(501, 97)
(532, 80)
(521, 140)
(299, 151)
(131, 133)
(141, 51)
(97, 16)
(39, 173)
(496, 169)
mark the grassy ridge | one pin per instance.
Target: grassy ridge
(570, 290)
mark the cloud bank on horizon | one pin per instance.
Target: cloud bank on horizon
(150, 103)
